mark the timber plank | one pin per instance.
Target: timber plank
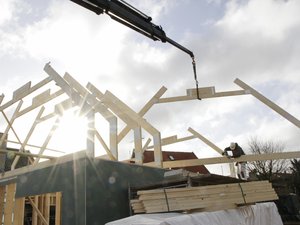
(2, 196)
(211, 197)
(238, 200)
(9, 204)
(19, 211)
(58, 196)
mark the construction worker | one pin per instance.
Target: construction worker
(234, 151)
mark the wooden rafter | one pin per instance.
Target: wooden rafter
(213, 146)
(47, 140)
(172, 140)
(98, 107)
(10, 122)
(22, 148)
(31, 90)
(122, 109)
(143, 111)
(268, 102)
(1, 98)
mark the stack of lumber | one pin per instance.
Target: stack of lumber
(203, 198)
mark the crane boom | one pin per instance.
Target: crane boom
(126, 14)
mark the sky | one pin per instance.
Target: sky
(256, 41)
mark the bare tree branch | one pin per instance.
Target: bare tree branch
(264, 170)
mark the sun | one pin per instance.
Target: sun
(71, 133)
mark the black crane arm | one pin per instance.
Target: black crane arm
(126, 14)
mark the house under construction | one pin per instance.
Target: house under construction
(42, 185)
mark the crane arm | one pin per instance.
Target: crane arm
(126, 14)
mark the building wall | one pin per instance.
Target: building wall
(107, 188)
(68, 178)
(93, 192)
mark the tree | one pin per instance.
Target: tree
(264, 170)
(296, 175)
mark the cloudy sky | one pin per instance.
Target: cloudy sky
(256, 41)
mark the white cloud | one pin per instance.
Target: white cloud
(6, 12)
(269, 19)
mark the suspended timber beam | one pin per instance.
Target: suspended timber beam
(216, 160)
(268, 102)
(202, 96)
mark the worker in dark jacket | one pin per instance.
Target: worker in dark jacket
(234, 151)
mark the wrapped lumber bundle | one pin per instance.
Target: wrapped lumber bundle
(203, 198)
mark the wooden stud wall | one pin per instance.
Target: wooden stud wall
(12, 209)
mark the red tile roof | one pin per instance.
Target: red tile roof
(171, 156)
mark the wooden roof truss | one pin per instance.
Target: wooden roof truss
(89, 100)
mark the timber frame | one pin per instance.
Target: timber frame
(89, 101)
(48, 100)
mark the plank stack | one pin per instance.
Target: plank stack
(203, 198)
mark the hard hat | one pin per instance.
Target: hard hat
(232, 145)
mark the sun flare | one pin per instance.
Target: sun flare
(71, 133)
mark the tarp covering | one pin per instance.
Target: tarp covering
(259, 214)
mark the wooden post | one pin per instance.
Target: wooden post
(34, 212)
(19, 211)
(36, 209)
(58, 208)
(90, 146)
(47, 207)
(2, 197)
(157, 150)
(138, 152)
(9, 204)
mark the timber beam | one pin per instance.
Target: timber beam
(268, 102)
(202, 96)
(217, 160)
